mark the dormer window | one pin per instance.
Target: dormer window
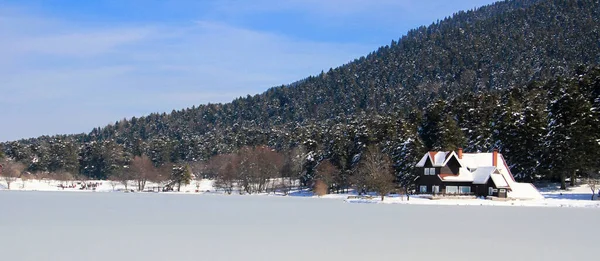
(429, 171)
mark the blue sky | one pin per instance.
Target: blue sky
(67, 66)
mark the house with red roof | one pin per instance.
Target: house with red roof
(479, 174)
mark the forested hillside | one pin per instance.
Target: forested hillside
(515, 75)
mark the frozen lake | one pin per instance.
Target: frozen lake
(118, 226)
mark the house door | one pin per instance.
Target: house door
(435, 189)
(502, 193)
(490, 191)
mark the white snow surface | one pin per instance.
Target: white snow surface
(103, 186)
(526, 195)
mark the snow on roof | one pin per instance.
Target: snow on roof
(470, 160)
(438, 158)
(481, 175)
(476, 160)
(421, 162)
(464, 175)
(478, 168)
(479, 160)
(524, 191)
(499, 181)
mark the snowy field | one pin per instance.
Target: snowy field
(39, 226)
(579, 196)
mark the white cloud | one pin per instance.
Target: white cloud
(61, 78)
(81, 44)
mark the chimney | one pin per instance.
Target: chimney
(460, 153)
(495, 158)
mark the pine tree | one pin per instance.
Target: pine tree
(406, 156)
(570, 131)
(475, 114)
(431, 125)
(63, 155)
(450, 136)
(181, 175)
(521, 129)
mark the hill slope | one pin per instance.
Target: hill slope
(495, 47)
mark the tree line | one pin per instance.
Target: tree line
(546, 131)
(503, 76)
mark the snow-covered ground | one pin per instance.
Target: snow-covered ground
(579, 196)
(102, 186)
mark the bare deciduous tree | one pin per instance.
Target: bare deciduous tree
(327, 173)
(226, 179)
(270, 164)
(113, 183)
(226, 167)
(359, 182)
(292, 168)
(320, 188)
(287, 181)
(162, 175)
(593, 181)
(122, 177)
(63, 177)
(252, 169)
(11, 171)
(376, 168)
(199, 172)
(25, 176)
(258, 166)
(141, 169)
(45, 176)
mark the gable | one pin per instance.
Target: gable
(428, 163)
(453, 162)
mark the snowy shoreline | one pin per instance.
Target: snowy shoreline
(576, 197)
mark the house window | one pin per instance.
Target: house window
(429, 171)
(435, 189)
(423, 189)
(465, 189)
(451, 189)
